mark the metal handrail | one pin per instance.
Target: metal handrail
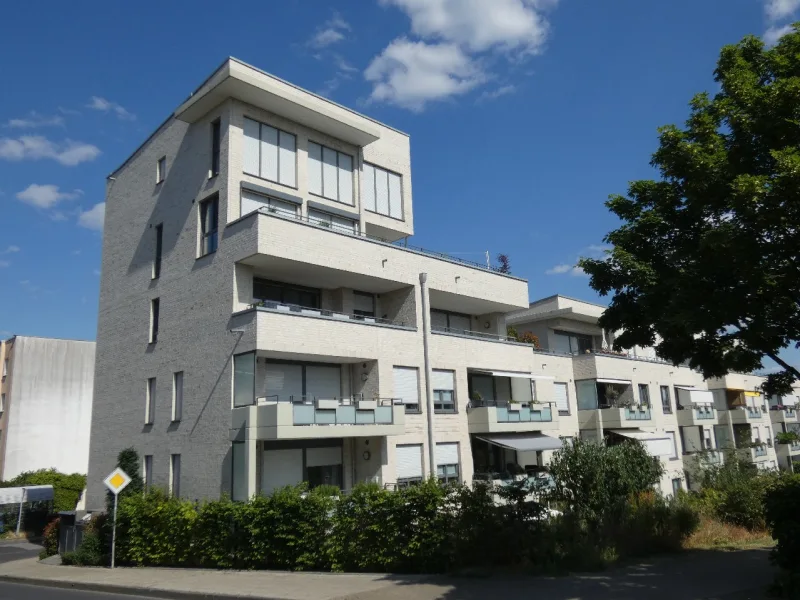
(505, 403)
(356, 233)
(323, 312)
(343, 400)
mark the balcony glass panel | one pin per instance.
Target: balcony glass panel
(635, 414)
(346, 415)
(365, 417)
(303, 414)
(704, 411)
(384, 415)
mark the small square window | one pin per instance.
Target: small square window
(161, 169)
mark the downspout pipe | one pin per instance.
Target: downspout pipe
(423, 288)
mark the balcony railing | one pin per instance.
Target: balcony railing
(760, 450)
(638, 414)
(354, 231)
(354, 410)
(309, 311)
(510, 412)
(703, 411)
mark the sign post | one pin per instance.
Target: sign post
(117, 481)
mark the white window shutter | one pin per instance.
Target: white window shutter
(561, 397)
(368, 188)
(252, 202)
(283, 381)
(329, 171)
(323, 457)
(288, 162)
(315, 168)
(269, 153)
(382, 191)
(342, 224)
(346, 178)
(442, 380)
(251, 146)
(395, 197)
(323, 382)
(447, 454)
(406, 384)
(408, 461)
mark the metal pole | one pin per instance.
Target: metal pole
(19, 517)
(423, 288)
(114, 532)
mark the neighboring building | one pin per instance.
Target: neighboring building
(46, 405)
(783, 412)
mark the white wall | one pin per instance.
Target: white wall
(50, 406)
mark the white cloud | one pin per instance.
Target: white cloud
(35, 147)
(11, 250)
(773, 34)
(516, 26)
(103, 105)
(45, 196)
(4, 264)
(94, 217)
(504, 90)
(562, 269)
(343, 65)
(34, 120)
(68, 111)
(331, 32)
(780, 9)
(411, 74)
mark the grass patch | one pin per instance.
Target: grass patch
(715, 535)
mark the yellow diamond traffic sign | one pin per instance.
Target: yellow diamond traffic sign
(117, 481)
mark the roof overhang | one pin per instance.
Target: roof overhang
(564, 313)
(615, 381)
(522, 442)
(248, 84)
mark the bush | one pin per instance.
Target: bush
(783, 519)
(94, 549)
(67, 489)
(50, 541)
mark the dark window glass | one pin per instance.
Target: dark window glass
(209, 222)
(157, 259)
(154, 310)
(666, 403)
(325, 475)
(215, 135)
(272, 291)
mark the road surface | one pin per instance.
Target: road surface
(15, 591)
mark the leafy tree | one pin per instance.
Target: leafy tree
(503, 264)
(705, 265)
(591, 479)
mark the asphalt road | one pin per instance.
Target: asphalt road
(15, 591)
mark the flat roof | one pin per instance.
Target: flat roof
(566, 298)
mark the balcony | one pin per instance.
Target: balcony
(743, 414)
(629, 416)
(697, 414)
(277, 242)
(755, 453)
(783, 414)
(302, 418)
(499, 417)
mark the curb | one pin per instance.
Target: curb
(111, 588)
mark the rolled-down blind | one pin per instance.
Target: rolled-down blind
(442, 380)
(287, 162)
(322, 457)
(315, 168)
(395, 197)
(345, 178)
(252, 202)
(364, 302)
(283, 381)
(561, 396)
(323, 382)
(459, 323)
(251, 146)
(269, 153)
(447, 454)
(368, 187)
(409, 461)
(406, 384)
(438, 320)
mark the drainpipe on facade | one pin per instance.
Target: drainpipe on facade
(423, 289)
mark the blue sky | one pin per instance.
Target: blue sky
(523, 118)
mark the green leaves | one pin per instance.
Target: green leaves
(705, 264)
(67, 489)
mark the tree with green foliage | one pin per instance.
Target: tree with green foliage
(67, 489)
(705, 265)
(128, 461)
(591, 478)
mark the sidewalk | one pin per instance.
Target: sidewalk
(699, 575)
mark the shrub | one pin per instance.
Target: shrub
(94, 549)
(128, 461)
(783, 519)
(67, 489)
(530, 338)
(50, 541)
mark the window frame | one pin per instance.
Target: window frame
(679, 487)
(177, 396)
(159, 233)
(175, 475)
(561, 413)
(322, 171)
(668, 405)
(150, 401)
(329, 224)
(644, 400)
(284, 287)
(407, 482)
(207, 234)
(674, 437)
(155, 316)
(216, 146)
(161, 169)
(2, 402)
(147, 472)
(281, 132)
(361, 313)
(437, 396)
(577, 336)
(411, 409)
(445, 479)
(448, 314)
(402, 194)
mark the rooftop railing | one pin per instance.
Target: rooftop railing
(354, 231)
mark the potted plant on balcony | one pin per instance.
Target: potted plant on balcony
(787, 437)
(477, 398)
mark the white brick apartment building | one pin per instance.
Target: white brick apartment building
(263, 320)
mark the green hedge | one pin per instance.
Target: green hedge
(428, 528)
(67, 489)
(783, 518)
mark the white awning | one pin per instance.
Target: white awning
(28, 493)
(523, 442)
(788, 400)
(513, 374)
(695, 395)
(657, 444)
(617, 381)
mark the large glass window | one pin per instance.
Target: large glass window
(644, 394)
(209, 224)
(334, 222)
(382, 192)
(666, 402)
(573, 343)
(330, 173)
(284, 293)
(586, 390)
(252, 201)
(270, 153)
(244, 379)
(449, 322)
